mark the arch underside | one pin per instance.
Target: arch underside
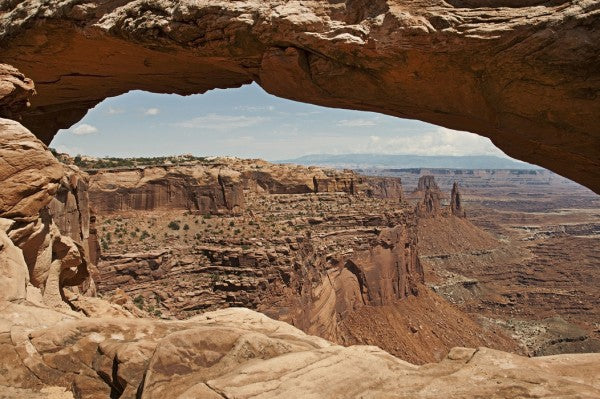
(526, 77)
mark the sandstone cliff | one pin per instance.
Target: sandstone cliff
(217, 185)
(202, 189)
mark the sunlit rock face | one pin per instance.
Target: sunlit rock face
(524, 74)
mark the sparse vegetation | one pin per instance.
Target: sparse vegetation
(173, 225)
(120, 163)
(139, 301)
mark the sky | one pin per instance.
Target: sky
(248, 122)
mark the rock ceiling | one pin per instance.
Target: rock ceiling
(523, 73)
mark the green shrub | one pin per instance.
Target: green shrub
(173, 225)
(186, 227)
(139, 301)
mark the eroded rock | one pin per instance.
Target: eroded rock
(522, 73)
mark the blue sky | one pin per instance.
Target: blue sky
(250, 123)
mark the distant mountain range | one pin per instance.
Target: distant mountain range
(360, 161)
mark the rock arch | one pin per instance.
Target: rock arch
(524, 74)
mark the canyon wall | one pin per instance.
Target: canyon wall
(206, 190)
(217, 186)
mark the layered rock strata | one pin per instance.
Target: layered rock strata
(205, 190)
(330, 263)
(216, 186)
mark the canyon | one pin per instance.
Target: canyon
(331, 252)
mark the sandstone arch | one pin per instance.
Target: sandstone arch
(525, 74)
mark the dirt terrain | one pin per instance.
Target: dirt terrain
(535, 272)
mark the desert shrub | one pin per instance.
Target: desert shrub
(139, 301)
(186, 227)
(173, 225)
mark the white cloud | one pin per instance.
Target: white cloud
(250, 108)
(152, 111)
(84, 129)
(63, 149)
(358, 122)
(221, 122)
(114, 111)
(441, 141)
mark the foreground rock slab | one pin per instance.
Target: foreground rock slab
(239, 353)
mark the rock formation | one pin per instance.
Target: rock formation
(205, 190)
(455, 202)
(384, 187)
(217, 186)
(240, 353)
(427, 182)
(49, 350)
(429, 194)
(522, 73)
(329, 262)
(44, 211)
(429, 197)
(15, 92)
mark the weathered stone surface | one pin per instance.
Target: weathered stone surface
(384, 187)
(15, 91)
(240, 353)
(335, 263)
(522, 73)
(14, 275)
(217, 186)
(36, 187)
(28, 172)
